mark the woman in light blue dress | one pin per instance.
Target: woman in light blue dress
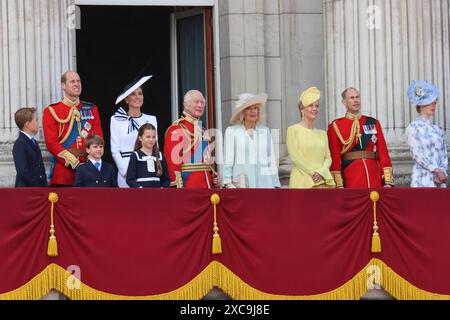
(249, 156)
(425, 139)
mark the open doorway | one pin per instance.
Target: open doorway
(114, 44)
(175, 44)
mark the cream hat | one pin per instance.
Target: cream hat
(247, 100)
(309, 96)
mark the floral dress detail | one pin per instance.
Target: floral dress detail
(428, 150)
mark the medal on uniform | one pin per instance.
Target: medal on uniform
(374, 139)
(84, 134)
(370, 129)
(87, 126)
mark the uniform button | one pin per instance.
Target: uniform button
(96, 182)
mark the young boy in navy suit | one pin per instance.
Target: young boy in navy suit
(96, 173)
(26, 152)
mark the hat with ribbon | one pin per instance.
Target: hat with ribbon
(131, 87)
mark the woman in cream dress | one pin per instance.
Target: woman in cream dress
(250, 159)
(308, 147)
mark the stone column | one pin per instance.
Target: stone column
(273, 46)
(379, 46)
(302, 65)
(36, 47)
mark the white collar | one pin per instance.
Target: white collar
(29, 137)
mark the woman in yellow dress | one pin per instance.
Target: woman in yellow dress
(308, 147)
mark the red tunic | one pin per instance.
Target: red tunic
(362, 172)
(184, 144)
(66, 127)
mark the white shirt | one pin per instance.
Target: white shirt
(29, 137)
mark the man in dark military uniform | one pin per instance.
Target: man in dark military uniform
(66, 126)
(360, 158)
(186, 147)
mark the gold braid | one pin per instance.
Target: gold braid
(74, 114)
(353, 133)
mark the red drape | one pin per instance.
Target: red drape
(282, 242)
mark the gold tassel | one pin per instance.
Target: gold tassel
(52, 250)
(376, 241)
(217, 242)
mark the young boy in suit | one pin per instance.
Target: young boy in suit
(95, 173)
(26, 152)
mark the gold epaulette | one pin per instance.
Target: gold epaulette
(71, 160)
(175, 123)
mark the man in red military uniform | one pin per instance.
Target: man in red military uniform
(66, 126)
(186, 147)
(360, 158)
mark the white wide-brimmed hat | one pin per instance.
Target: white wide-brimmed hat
(247, 100)
(131, 87)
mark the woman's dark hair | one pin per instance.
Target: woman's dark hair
(155, 151)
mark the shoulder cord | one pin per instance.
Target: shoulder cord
(353, 133)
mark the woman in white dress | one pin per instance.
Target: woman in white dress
(425, 139)
(250, 160)
(125, 125)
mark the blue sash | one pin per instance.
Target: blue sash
(197, 157)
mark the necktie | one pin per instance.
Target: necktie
(33, 141)
(97, 165)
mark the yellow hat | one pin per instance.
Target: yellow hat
(310, 96)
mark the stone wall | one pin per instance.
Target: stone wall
(36, 48)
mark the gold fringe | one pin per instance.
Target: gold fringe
(56, 278)
(217, 242)
(217, 275)
(52, 249)
(354, 289)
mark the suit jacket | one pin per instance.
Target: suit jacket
(29, 165)
(88, 176)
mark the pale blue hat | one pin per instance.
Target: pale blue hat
(422, 93)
